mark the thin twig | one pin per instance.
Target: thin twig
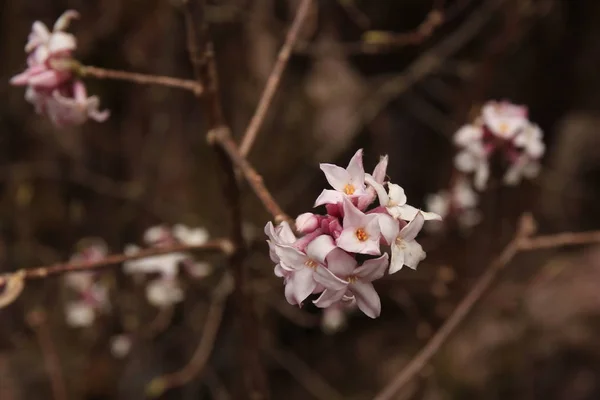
(38, 322)
(195, 367)
(521, 242)
(223, 137)
(253, 377)
(274, 79)
(102, 73)
(212, 246)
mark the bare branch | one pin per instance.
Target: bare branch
(143, 79)
(274, 79)
(521, 242)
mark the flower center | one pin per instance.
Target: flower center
(503, 127)
(400, 242)
(361, 234)
(349, 189)
(352, 279)
(311, 263)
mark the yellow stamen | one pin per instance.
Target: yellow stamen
(352, 279)
(503, 127)
(349, 189)
(361, 234)
(311, 263)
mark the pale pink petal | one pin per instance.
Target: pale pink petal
(372, 269)
(328, 279)
(320, 247)
(291, 257)
(389, 227)
(412, 229)
(349, 242)
(380, 169)
(337, 176)
(356, 170)
(367, 298)
(341, 263)
(39, 35)
(60, 42)
(64, 20)
(47, 79)
(353, 217)
(303, 284)
(481, 176)
(408, 213)
(397, 261)
(329, 297)
(413, 254)
(397, 195)
(379, 189)
(307, 222)
(466, 161)
(468, 134)
(328, 196)
(289, 292)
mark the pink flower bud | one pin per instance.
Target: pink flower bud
(307, 222)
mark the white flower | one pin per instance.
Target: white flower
(79, 314)
(474, 159)
(504, 119)
(190, 236)
(461, 199)
(530, 140)
(405, 249)
(163, 292)
(120, 345)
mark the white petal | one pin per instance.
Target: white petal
(337, 176)
(413, 254)
(367, 299)
(412, 229)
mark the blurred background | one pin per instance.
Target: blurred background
(534, 336)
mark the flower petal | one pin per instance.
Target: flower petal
(380, 170)
(397, 195)
(320, 247)
(355, 169)
(353, 217)
(329, 196)
(389, 227)
(337, 176)
(303, 284)
(367, 298)
(329, 297)
(397, 261)
(413, 254)
(291, 257)
(341, 263)
(372, 269)
(328, 279)
(412, 229)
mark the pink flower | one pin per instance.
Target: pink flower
(361, 232)
(49, 55)
(301, 267)
(348, 182)
(343, 279)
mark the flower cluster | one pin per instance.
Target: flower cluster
(504, 129)
(339, 254)
(51, 85)
(91, 296)
(166, 290)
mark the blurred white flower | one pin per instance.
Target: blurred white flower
(120, 345)
(163, 292)
(79, 314)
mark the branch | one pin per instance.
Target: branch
(521, 242)
(212, 246)
(222, 137)
(195, 367)
(101, 73)
(253, 377)
(274, 78)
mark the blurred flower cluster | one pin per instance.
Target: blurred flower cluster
(162, 290)
(500, 140)
(91, 296)
(502, 129)
(338, 255)
(51, 85)
(165, 290)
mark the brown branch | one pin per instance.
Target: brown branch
(274, 79)
(143, 79)
(38, 322)
(223, 138)
(521, 242)
(253, 383)
(216, 245)
(195, 367)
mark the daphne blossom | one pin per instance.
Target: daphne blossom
(165, 290)
(340, 254)
(504, 129)
(51, 85)
(91, 296)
